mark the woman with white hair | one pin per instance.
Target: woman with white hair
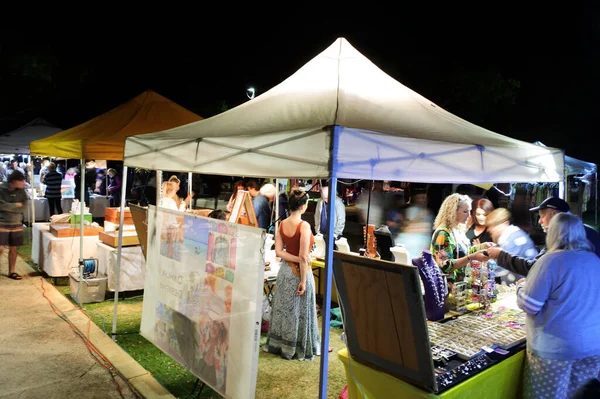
(563, 314)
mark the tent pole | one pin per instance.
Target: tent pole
(32, 210)
(189, 190)
(596, 199)
(276, 206)
(158, 187)
(81, 225)
(562, 186)
(119, 250)
(326, 308)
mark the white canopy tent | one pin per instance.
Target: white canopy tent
(340, 116)
(387, 132)
(17, 141)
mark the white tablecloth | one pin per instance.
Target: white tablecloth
(98, 205)
(61, 255)
(42, 212)
(133, 267)
(37, 255)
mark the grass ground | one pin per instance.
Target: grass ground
(277, 378)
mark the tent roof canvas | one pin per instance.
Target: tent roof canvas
(575, 166)
(103, 137)
(17, 141)
(386, 131)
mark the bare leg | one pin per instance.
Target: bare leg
(12, 259)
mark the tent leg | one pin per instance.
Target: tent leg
(81, 226)
(119, 250)
(326, 308)
(189, 190)
(32, 210)
(158, 187)
(276, 206)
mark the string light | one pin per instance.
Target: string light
(250, 92)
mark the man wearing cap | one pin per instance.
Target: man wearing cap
(547, 209)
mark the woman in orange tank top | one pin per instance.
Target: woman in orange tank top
(293, 329)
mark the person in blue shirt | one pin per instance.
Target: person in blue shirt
(563, 314)
(547, 209)
(512, 239)
(262, 207)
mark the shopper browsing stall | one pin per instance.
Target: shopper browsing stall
(478, 231)
(550, 207)
(563, 318)
(449, 245)
(511, 239)
(293, 330)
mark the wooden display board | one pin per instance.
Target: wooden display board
(384, 317)
(243, 210)
(139, 214)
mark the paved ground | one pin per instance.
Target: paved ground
(42, 356)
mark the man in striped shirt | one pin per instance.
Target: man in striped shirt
(53, 182)
(13, 204)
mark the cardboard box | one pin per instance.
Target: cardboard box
(112, 215)
(110, 226)
(75, 218)
(62, 230)
(112, 238)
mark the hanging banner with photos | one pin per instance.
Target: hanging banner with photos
(203, 297)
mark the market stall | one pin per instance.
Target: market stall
(103, 137)
(578, 177)
(42, 211)
(341, 116)
(17, 141)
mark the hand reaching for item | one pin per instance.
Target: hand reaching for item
(479, 256)
(494, 252)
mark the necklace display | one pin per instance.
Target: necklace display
(435, 280)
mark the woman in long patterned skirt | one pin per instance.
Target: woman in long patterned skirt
(293, 330)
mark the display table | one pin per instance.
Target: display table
(37, 229)
(98, 205)
(133, 267)
(42, 211)
(318, 268)
(502, 380)
(60, 256)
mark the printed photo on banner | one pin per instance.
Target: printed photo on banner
(171, 236)
(202, 347)
(195, 242)
(206, 282)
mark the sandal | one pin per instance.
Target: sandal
(15, 276)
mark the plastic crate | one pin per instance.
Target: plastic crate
(92, 289)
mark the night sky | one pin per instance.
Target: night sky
(528, 74)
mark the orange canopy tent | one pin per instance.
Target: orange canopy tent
(103, 137)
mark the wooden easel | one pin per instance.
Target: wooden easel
(243, 201)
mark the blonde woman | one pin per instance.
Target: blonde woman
(177, 185)
(449, 244)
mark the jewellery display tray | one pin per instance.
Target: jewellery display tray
(467, 335)
(386, 327)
